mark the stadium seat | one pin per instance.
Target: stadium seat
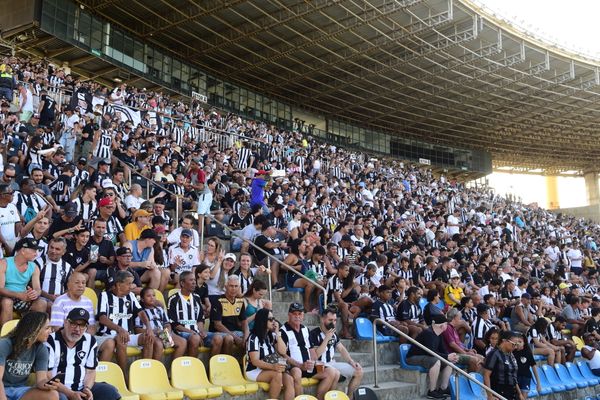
(305, 382)
(160, 297)
(545, 389)
(577, 376)
(263, 385)
(91, 294)
(111, 373)
(422, 303)
(172, 292)
(8, 327)
(336, 395)
(188, 374)
(403, 352)
(364, 331)
(549, 378)
(133, 351)
(566, 379)
(148, 378)
(578, 342)
(477, 390)
(585, 370)
(225, 371)
(305, 397)
(464, 389)
(441, 305)
(539, 357)
(364, 393)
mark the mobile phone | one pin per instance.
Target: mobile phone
(60, 377)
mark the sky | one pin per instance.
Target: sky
(573, 25)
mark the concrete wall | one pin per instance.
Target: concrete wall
(589, 212)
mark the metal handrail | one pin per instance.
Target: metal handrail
(430, 352)
(270, 256)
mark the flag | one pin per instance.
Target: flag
(124, 113)
(82, 101)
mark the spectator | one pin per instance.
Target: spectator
(140, 222)
(453, 343)
(526, 364)
(432, 307)
(591, 353)
(410, 313)
(102, 253)
(22, 352)
(54, 271)
(540, 345)
(73, 352)
(521, 318)
(264, 346)
(227, 316)
(184, 256)
(438, 374)
(557, 338)
(20, 281)
(143, 263)
(335, 292)
(297, 340)
(73, 298)
(383, 309)
(500, 368)
(254, 301)
(10, 221)
(572, 315)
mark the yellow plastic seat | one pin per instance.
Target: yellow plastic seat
(173, 291)
(305, 397)
(160, 297)
(8, 327)
(309, 382)
(148, 378)
(225, 371)
(336, 395)
(99, 285)
(170, 286)
(263, 385)
(111, 373)
(576, 339)
(133, 351)
(203, 349)
(91, 294)
(188, 374)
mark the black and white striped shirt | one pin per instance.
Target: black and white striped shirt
(480, 327)
(316, 337)
(408, 311)
(24, 201)
(178, 135)
(334, 285)
(245, 282)
(244, 156)
(185, 312)
(264, 347)
(55, 84)
(122, 311)
(72, 361)
(85, 210)
(103, 147)
(53, 275)
(297, 343)
(113, 228)
(157, 317)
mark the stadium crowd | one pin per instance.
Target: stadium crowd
(484, 281)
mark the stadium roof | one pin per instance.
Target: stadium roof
(440, 70)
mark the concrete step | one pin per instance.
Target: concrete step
(396, 391)
(286, 297)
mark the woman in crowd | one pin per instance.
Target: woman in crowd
(500, 368)
(526, 364)
(254, 301)
(539, 342)
(264, 348)
(431, 308)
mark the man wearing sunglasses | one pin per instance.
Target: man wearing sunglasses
(73, 352)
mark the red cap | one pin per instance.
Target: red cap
(262, 172)
(105, 201)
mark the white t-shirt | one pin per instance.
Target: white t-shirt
(133, 202)
(594, 363)
(9, 216)
(452, 230)
(190, 258)
(576, 257)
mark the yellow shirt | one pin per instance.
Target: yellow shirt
(457, 292)
(132, 232)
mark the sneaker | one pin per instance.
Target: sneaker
(278, 287)
(434, 394)
(445, 392)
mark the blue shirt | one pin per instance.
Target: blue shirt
(257, 194)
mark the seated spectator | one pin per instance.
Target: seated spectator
(266, 242)
(20, 286)
(592, 325)
(432, 308)
(218, 276)
(324, 343)
(264, 348)
(54, 270)
(227, 316)
(409, 312)
(454, 344)
(73, 298)
(383, 309)
(117, 309)
(140, 221)
(254, 301)
(184, 256)
(187, 222)
(539, 343)
(297, 340)
(453, 292)
(202, 276)
(22, 352)
(73, 352)
(438, 375)
(572, 315)
(297, 258)
(521, 318)
(142, 261)
(160, 325)
(185, 312)
(591, 353)
(335, 292)
(123, 263)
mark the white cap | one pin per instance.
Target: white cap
(454, 274)
(108, 183)
(230, 255)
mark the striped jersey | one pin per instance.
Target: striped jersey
(85, 210)
(103, 147)
(73, 361)
(264, 347)
(333, 285)
(185, 311)
(297, 342)
(316, 337)
(156, 316)
(121, 311)
(53, 275)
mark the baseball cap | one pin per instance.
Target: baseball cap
(27, 243)
(105, 201)
(141, 213)
(376, 241)
(295, 306)
(78, 314)
(103, 161)
(454, 274)
(438, 319)
(347, 237)
(70, 209)
(187, 232)
(148, 234)
(82, 160)
(564, 285)
(123, 250)
(231, 256)
(108, 183)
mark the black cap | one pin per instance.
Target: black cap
(123, 250)
(438, 319)
(70, 209)
(187, 232)
(148, 234)
(347, 238)
(78, 314)
(296, 307)
(27, 243)
(82, 160)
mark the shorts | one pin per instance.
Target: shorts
(346, 370)
(524, 383)
(26, 116)
(15, 392)
(20, 305)
(253, 375)
(133, 339)
(207, 340)
(422, 361)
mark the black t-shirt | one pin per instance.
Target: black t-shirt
(592, 325)
(104, 248)
(76, 257)
(261, 241)
(525, 360)
(202, 291)
(60, 224)
(112, 273)
(440, 274)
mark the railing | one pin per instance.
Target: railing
(430, 352)
(270, 257)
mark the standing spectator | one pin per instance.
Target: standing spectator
(575, 258)
(500, 368)
(74, 353)
(10, 220)
(23, 352)
(297, 339)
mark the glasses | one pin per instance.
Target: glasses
(514, 344)
(271, 319)
(9, 176)
(75, 325)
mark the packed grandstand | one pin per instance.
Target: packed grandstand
(108, 191)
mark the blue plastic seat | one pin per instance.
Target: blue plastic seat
(403, 352)
(545, 389)
(422, 303)
(441, 305)
(464, 387)
(549, 378)
(364, 331)
(538, 357)
(477, 390)
(585, 370)
(577, 376)
(566, 379)
(577, 354)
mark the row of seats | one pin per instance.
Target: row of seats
(148, 380)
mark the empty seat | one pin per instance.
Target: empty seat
(305, 397)
(549, 378)
(364, 393)
(463, 389)
(148, 378)
(225, 371)
(188, 374)
(422, 303)
(441, 305)
(545, 390)
(364, 331)
(539, 357)
(577, 376)
(565, 378)
(111, 373)
(91, 294)
(336, 395)
(403, 352)
(477, 390)
(8, 327)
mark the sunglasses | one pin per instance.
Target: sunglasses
(271, 319)
(514, 344)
